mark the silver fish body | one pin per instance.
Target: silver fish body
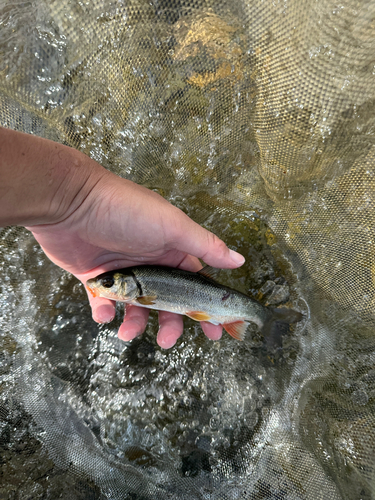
(195, 295)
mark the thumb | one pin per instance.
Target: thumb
(197, 241)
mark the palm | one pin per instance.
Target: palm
(100, 237)
(85, 259)
(89, 220)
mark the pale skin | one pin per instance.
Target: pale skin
(88, 221)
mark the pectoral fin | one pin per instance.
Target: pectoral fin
(236, 329)
(198, 315)
(147, 300)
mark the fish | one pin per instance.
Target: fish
(197, 295)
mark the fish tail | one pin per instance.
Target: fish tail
(277, 324)
(285, 315)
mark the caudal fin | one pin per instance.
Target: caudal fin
(277, 324)
(270, 329)
(285, 315)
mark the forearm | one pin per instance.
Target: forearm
(41, 181)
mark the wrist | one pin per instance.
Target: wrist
(41, 182)
(75, 176)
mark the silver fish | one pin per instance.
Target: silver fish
(196, 295)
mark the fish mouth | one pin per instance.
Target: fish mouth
(94, 291)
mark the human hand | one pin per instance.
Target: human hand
(120, 224)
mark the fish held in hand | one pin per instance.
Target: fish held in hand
(196, 295)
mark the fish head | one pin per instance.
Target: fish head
(114, 285)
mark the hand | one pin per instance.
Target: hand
(120, 224)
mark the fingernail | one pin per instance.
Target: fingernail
(168, 342)
(104, 313)
(129, 332)
(237, 257)
(128, 336)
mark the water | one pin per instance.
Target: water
(188, 411)
(196, 106)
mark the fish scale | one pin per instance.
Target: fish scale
(196, 295)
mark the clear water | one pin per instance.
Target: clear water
(83, 412)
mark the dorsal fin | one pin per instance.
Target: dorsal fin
(210, 272)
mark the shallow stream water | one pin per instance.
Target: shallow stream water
(219, 108)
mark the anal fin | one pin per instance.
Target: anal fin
(236, 329)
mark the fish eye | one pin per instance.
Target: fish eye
(108, 282)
